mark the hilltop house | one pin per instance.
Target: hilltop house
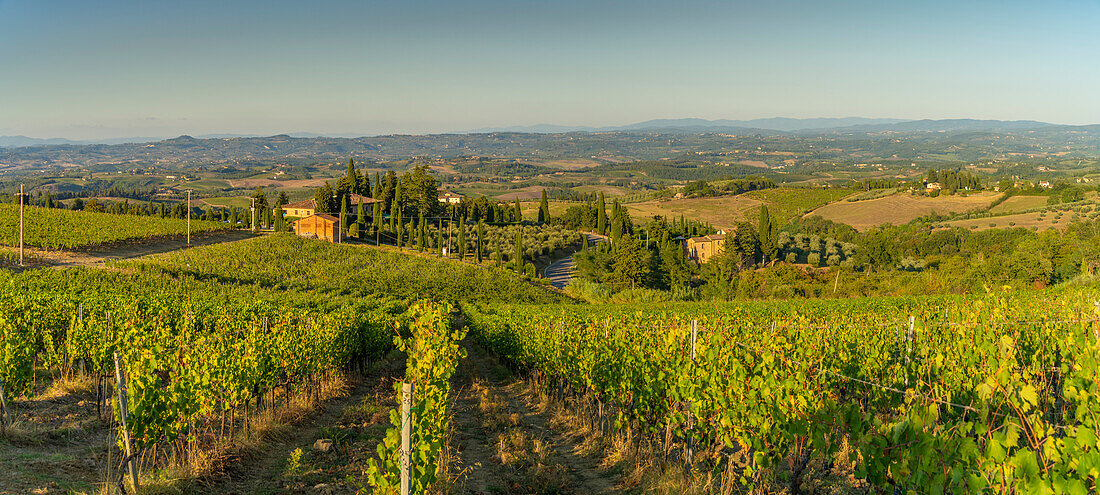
(319, 226)
(702, 249)
(302, 209)
(450, 197)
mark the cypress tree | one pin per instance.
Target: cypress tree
(518, 212)
(360, 218)
(439, 240)
(344, 215)
(616, 222)
(601, 215)
(480, 241)
(422, 234)
(399, 234)
(462, 240)
(544, 209)
(517, 256)
(498, 255)
(766, 230)
(280, 220)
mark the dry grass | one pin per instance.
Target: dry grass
(898, 209)
(1034, 220)
(1019, 203)
(722, 212)
(209, 456)
(71, 385)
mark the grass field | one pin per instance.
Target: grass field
(898, 209)
(1019, 203)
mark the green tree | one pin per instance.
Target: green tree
(630, 265)
(601, 215)
(767, 232)
(421, 191)
(462, 239)
(344, 214)
(282, 200)
(377, 222)
(439, 238)
(617, 223)
(280, 220)
(544, 209)
(361, 218)
(260, 198)
(518, 212)
(517, 255)
(480, 241)
(324, 197)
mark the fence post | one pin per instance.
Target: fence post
(406, 438)
(124, 413)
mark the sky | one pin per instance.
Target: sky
(103, 69)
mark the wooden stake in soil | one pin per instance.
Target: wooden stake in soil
(406, 438)
(5, 420)
(123, 414)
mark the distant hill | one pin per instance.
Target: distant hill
(781, 124)
(951, 125)
(23, 141)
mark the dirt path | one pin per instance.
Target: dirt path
(503, 445)
(288, 463)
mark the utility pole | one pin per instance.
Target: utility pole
(253, 215)
(188, 217)
(21, 198)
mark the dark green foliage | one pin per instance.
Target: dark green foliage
(601, 215)
(544, 209)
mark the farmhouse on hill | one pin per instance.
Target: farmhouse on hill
(319, 226)
(450, 197)
(701, 249)
(305, 208)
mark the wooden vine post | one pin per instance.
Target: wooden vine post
(5, 420)
(406, 438)
(124, 414)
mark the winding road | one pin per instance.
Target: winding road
(559, 272)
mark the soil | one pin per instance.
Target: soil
(477, 436)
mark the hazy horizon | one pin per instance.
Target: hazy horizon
(111, 69)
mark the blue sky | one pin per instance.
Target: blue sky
(99, 69)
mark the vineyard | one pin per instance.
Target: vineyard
(64, 229)
(989, 394)
(193, 351)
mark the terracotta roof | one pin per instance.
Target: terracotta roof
(451, 194)
(308, 203)
(326, 216)
(355, 199)
(706, 238)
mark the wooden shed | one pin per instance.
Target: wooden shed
(319, 226)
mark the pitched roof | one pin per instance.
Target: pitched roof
(308, 203)
(326, 216)
(355, 199)
(709, 238)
